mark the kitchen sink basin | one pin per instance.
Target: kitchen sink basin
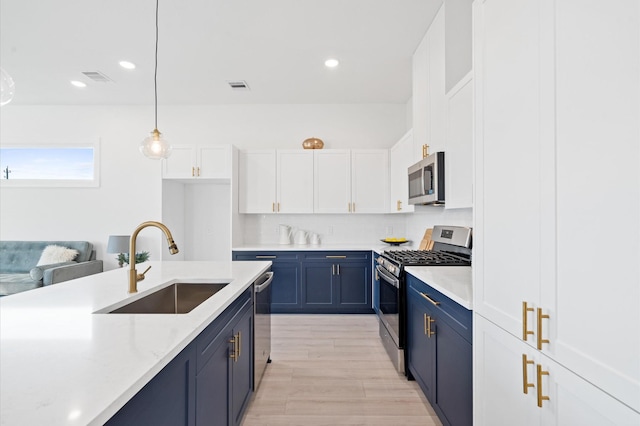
(177, 298)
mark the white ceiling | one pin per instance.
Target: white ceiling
(278, 47)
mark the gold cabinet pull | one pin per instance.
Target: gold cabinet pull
(399, 205)
(198, 171)
(338, 269)
(525, 380)
(377, 276)
(429, 331)
(335, 257)
(349, 207)
(353, 209)
(278, 207)
(333, 269)
(540, 372)
(541, 316)
(239, 343)
(266, 257)
(429, 299)
(193, 171)
(234, 354)
(525, 331)
(425, 324)
(273, 207)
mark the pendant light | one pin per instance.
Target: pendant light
(155, 146)
(8, 87)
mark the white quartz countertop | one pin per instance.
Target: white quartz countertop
(63, 364)
(452, 281)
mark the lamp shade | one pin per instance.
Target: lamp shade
(118, 244)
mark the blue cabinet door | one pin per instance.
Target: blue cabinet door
(317, 286)
(286, 287)
(353, 286)
(421, 345)
(212, 384)
(242, 367)
(167, 399)
(454, 395)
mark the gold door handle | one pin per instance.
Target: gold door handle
(278, 207)
(335, 257)
(540, 339)
(333, 269)
(234, 354)
(525, 380)
(425, 324)
(239, 343)
(273, 207)
(525, 331)
(349, 207)
(266, 257)
(338, 269)
(354, 207)
(193, 171)
(540, 372)
(198, 168)
(399, 205)
(429, 331)
(433, 302)
(377, 276)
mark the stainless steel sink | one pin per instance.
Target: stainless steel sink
(178, 298)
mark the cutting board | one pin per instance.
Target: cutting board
(427, 242)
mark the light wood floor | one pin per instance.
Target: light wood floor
(333, 370)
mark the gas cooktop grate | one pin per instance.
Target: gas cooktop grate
(426, 258)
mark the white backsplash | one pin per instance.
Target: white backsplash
(427, 216)
(354, 228)
(333, 229)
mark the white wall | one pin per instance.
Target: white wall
(130, 185)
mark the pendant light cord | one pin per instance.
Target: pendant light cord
(155, 72)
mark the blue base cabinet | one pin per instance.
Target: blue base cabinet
(286, 285)
(439, 352)
(209, 383)
(318, 281)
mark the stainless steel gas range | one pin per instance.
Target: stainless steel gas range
(452, 247)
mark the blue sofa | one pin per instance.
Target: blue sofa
(18, 260)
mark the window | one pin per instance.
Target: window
(55, 165)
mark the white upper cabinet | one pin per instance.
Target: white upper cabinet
(557, 155)
(276, 181)
(369, 181)
(257, 181)
(401, 156)
(294, 181)
(459, 146)
(198, 161)
(351, 181)
(429, 101)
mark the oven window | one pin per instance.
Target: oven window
(390, 307)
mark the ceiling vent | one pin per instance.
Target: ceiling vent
(239, 85)
(97, 76)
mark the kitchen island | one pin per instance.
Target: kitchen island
(61, 363)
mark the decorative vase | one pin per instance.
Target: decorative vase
(312, 143)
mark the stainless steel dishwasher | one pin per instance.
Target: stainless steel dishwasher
(261, 327)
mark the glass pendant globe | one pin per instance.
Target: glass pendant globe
(7, 87)
(155, 146)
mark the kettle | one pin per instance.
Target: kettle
(285, 234)
(301, 237)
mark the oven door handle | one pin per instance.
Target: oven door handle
(390, 278)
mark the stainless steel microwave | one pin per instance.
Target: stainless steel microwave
(426, 180)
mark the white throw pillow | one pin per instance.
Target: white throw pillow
(56, 254)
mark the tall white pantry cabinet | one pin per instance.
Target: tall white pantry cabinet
(557, 212)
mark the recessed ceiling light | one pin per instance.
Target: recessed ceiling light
(78, 83)
(128, 65)
(331, 63)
